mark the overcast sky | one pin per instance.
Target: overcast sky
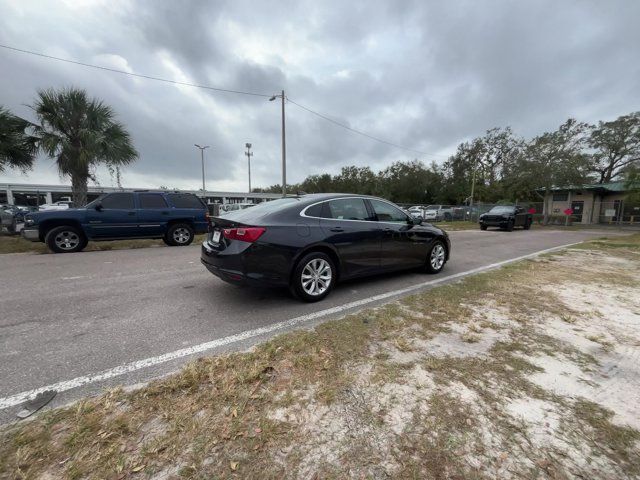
(423, 74)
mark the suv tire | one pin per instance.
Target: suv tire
(65, 239)
(314, 271)
(527, 224)
(510, 226)
(179, 235)
(483, 227)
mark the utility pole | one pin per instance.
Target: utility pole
(284, 146)
(473, 186)
(202, 149)
(249, 155)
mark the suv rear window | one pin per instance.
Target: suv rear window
(152, 200)
(186, 200)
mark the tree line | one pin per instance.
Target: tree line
(500, 166)
(81, 133)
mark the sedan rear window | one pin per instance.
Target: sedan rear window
(262, 209)
(347, 209)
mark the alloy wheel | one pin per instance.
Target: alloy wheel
(316, 277)
(181, 235)
(437, 257)
(67, 240)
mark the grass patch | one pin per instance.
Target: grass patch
(336, 402)
(17, 244)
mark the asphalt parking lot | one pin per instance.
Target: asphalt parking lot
(91, 320)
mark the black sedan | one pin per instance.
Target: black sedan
(309, 242)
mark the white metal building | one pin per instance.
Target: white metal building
(34, 194)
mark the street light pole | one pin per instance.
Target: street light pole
(202, 149)
(473, 186)
(284, 146)
(248, 154)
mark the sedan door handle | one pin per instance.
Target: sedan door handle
(388, 230)
(337, 229)
(131, 214)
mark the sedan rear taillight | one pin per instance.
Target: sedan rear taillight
(248, 234)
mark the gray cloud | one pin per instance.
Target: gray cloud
(427, 75)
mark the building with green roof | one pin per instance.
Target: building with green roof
(594, 203)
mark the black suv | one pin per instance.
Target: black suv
(173, 216)
(506, 217)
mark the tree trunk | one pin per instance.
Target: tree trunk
(79, 189)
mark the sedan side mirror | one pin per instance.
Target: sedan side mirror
(98, 206)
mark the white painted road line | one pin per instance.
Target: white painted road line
(19, 398)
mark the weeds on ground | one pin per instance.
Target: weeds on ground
(379, 394)
(17, 244)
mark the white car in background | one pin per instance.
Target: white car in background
(436, 213)
(62, 205)
(416, 212)
(232, 207)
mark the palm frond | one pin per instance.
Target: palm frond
(17, 147)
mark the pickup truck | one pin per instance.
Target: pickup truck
(437, 213)
(506, 218)
(172, 216)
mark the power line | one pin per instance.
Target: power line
(324, 117)
(216, 89)
(139, 75)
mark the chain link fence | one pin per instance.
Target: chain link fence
(618, 212)
(465, 213)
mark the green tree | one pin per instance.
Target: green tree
(409, 182)
(555, 159)
(352, 179)
(17, 147)
(317, 183)
(632, 184)
(616, 146)
(80, 134)
(478, 168)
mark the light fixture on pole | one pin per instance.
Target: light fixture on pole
(202, 149)
(284, 146)
(249, 155)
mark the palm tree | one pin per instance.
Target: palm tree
(80, 134)
(17, 148)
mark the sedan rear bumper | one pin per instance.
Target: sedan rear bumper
(259, 265)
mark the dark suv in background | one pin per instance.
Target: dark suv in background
(506, 217)
(173, 216)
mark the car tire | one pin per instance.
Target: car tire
(436, 258)
(179, 235)
(510, 226)
(311, 268)
(65, 239)
(527, 224)
(483, 227)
